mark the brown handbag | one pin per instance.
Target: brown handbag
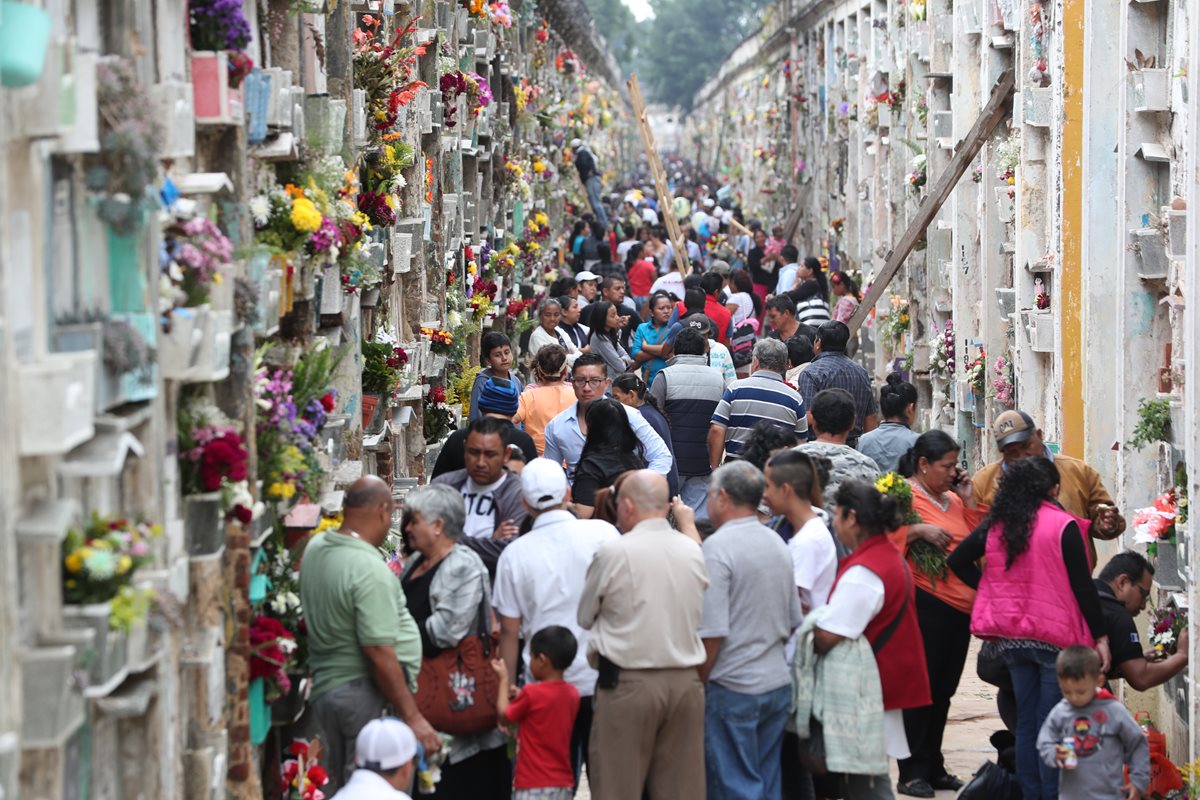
(458, 689)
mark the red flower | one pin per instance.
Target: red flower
(242, 514)
(318, 775)
(437, 395)
(223, 457)
(328, 402)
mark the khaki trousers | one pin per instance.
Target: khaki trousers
(649, 732)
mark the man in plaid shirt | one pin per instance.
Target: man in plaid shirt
(833, 369)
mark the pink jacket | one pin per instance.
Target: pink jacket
(1032, 599)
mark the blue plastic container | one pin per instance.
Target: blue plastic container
(24, 36)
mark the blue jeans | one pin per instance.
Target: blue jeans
(694, 492)
(743, 734)
(1035, 685)
(593, 187)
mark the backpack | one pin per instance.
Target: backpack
(741, 345)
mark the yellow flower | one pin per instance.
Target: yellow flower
(124, 563)
(305, 217)
(74, 562)
(282, 490)
(217, 278)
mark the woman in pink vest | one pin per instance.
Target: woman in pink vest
(873, 596)
(1035, 597)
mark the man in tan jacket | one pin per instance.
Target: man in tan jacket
(1081, 490)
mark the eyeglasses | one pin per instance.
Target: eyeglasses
(1145, 592)
(591, 383)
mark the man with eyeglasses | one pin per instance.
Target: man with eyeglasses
(1124, 587)
(566, 433)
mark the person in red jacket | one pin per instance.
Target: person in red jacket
(712, 283)
(873, 596)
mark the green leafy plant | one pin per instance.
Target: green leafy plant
(1154, 423)
(313, 374)
(377, 376)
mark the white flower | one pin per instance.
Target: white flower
(292, 599)
(278, 605)
(398, 183)
(286, 645)
(260, 209)
(454, 319)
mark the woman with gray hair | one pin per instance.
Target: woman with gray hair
(446, 585)
(547, 332)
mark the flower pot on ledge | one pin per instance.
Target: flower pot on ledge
(369, 403)
(109, 651)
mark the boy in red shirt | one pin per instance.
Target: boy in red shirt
(545, 712)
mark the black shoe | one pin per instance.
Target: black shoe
(947, 782)
(918, 787)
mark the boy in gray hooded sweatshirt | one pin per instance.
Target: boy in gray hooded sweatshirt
(1091, 737)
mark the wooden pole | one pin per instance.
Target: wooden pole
(993, 113)
(666, 202)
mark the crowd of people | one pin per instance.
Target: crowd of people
(669, 560)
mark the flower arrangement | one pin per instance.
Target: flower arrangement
(438, 417)
(302, 776)
(926, 557)
(383, 363)
(277, 225)
(499, 14)
(440, 341)
(192, 254)
(212, 454)
(895, 322)
(916, 10)
(130, 606)
(218, 25)
(916, 178)
(1156, 523)
(1166, 623)
(384, 71)
(941, 349)
(127, 164)
(100, 559)
(1005, 390)
(1006, 158)
(271, 649)
(567, 63)
(291, 407)
(976, 374)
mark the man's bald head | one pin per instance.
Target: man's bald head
(643, 495)
(367, 509)
(367, 491)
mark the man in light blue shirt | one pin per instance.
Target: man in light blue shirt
(787, 274)
(566, 433)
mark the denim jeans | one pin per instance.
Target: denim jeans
(593, 187)
(743, 734)
(1035, 685)
(694, 492)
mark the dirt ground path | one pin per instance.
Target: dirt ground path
(973, 718)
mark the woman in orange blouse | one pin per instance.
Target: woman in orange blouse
(539, 404)
(944, 499)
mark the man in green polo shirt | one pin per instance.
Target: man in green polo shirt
(363, 645)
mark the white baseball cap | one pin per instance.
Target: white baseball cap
(586, 275)
(384, 744)
(543, 484)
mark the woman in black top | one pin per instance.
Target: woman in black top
(570, 325)
(611, 448)
(764, 279)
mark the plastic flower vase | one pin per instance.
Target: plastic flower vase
(24, 37)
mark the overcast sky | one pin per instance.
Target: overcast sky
(640, 8)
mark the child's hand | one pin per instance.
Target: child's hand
(501, 669)
(1060, 755)
(1131, 792)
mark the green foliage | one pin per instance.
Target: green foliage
(1154, 423)
(129, 607)
(686, 42)
(377, 377)
(620, 30)
(313, 373)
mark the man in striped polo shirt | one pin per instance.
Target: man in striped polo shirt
(763, 397)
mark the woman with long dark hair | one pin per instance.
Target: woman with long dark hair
(888, 443)
(743, 303)
(1035, 598)
(631, 391)
(873, 597)
(943, 497)
(848, 295)
(811, 294)
(605, 339)
(610, 449)
(649, 347)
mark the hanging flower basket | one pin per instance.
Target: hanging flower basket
(24, 37)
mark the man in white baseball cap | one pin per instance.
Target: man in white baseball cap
(586, 281)
(383, 755)
(539, 579)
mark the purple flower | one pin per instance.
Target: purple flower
(219, 25)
